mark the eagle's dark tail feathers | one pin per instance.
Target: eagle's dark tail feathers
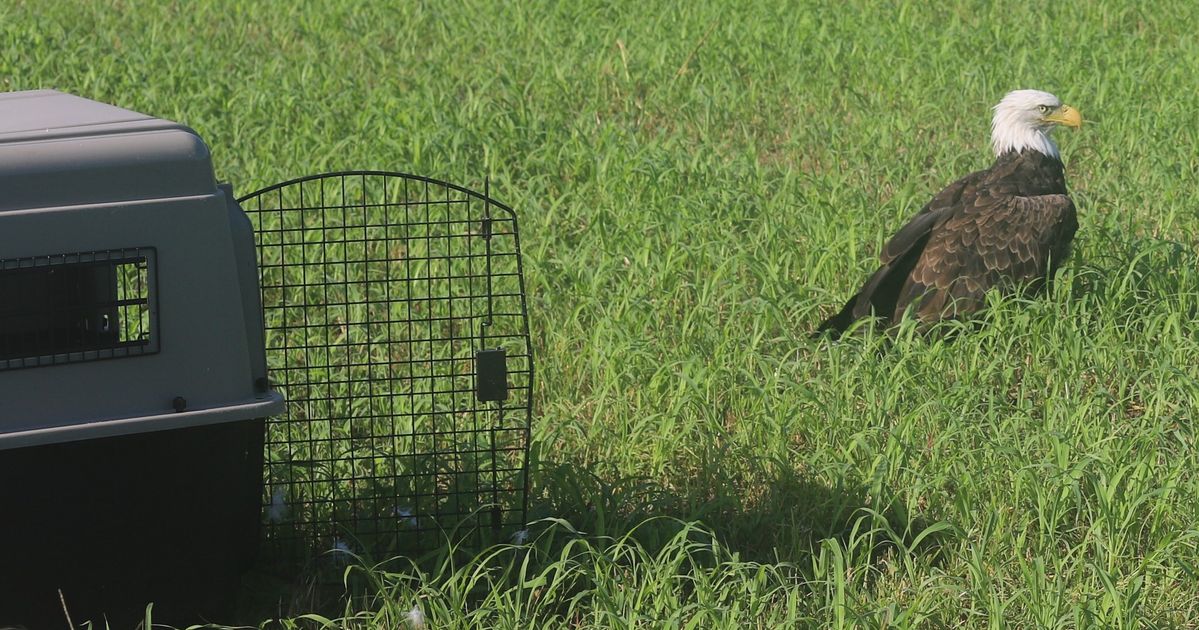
(879, 296)
(839, 323)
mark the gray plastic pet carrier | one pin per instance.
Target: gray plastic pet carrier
(133, 383)
(140, 312)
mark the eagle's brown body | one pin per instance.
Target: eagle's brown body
(1005, 227)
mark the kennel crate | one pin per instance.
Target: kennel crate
(397, 329)
(134, 386)
(133, 383)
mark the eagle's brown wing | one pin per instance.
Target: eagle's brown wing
(993, 240)
(881, 291)
(941, 204)
(976, 234)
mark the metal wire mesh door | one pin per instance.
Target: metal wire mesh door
(396, 328)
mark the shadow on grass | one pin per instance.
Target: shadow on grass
(778, 516)
(763, 511)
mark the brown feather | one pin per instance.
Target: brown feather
(1007, 226)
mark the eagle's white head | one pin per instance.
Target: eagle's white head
(1024, 118)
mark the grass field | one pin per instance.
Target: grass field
(698, 184)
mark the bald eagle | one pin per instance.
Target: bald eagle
(1006, 228)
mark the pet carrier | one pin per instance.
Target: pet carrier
(133, 384)
(133, 377)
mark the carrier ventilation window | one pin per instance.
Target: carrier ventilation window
(67, 308)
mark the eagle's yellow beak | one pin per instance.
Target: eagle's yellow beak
(1066, 115)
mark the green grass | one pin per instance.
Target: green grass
(697, 186)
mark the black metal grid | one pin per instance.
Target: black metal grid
(82, 306)
(382, 292)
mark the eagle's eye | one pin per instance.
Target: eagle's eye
(1045, 109)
